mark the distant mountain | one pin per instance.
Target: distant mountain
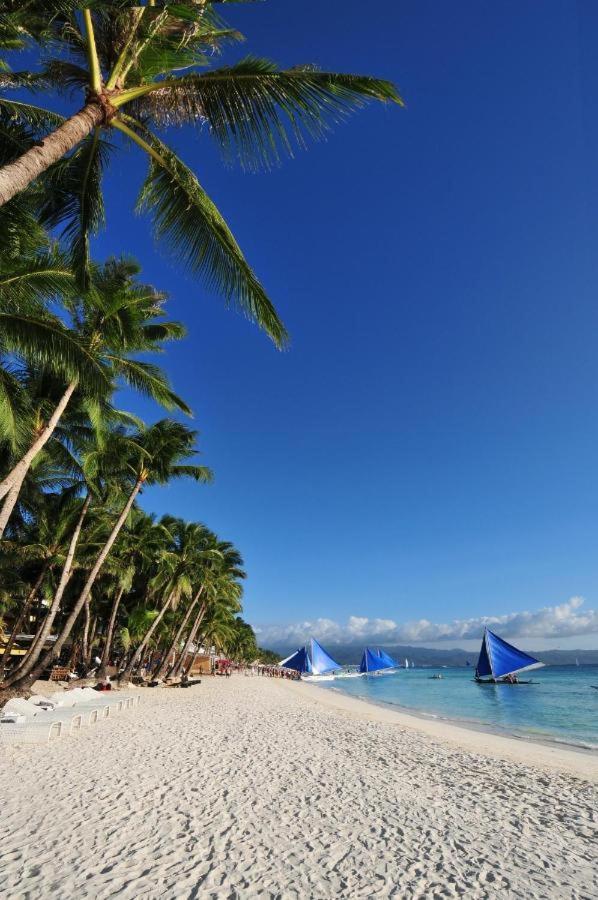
(350, 654)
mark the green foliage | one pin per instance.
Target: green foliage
(268, 657)
(155, 65)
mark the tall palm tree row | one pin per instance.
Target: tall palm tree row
(93, 578)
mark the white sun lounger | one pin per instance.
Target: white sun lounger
(29, 732)
(23, 721)
(111, 701)
(45, 718)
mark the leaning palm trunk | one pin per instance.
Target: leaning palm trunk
(191, 637)
(54, 652)
(171, 652)
(17, 175)
(21, 617)
(46, 626)
(18, 472)
(131, 665)
(102, 671)
(85, 634)
(10, 487)
(9, 504)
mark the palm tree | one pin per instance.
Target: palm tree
(205, 552)
(145, 68)
(113, 323)
(173, 576)
(42, 547)
(138, 544)
(220, 589)
(154, 455)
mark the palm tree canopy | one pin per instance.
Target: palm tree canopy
(144, 69)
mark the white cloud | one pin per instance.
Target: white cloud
(566, 620)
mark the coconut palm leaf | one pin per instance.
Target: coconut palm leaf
(30, 283)
(47, 342)
(148, 380)
(35, 118)
(187, 220)
(253, 108)
(74, 199)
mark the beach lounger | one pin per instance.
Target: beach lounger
(109, 701)
(29, 732)
(24, 722)
(56, 705)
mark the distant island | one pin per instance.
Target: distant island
(350, 654)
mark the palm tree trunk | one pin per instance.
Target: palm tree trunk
(128, 671)
(85, 633)
(164, 666)
(55, 651)
(92, 636)
(9, 504)
(110, 634)
(46, 626)
(18, 472)
(190, 638)
(21, 617)
(17, 175)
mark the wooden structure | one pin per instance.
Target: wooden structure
(201, 665)
(60, 673)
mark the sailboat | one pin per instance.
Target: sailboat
(500, 662)
(314, 665)
(376, 662)
(406, 663)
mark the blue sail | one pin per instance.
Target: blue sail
(498, 658)
(371, 661)
(299, 661)
(320, 661)
(390, 662)
(483, 668)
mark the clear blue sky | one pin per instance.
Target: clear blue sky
(429, 445)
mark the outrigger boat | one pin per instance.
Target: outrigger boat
(376, 662)
(500, 663)
(349, 672)
(314, 666)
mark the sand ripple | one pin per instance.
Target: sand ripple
(242, 788)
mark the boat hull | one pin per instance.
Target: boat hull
(317, 678)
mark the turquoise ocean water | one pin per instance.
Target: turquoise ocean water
(560, 706)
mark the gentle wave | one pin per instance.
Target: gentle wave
(559, 707)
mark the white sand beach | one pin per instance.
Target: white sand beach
(251, 787)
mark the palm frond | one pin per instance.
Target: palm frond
(37, 119)
(256, 111)
(48, 343)
(148, 380)
(186, 218)
(66, 75)
(73, 198)
(33, 282)
(13, 406)
(202, 474)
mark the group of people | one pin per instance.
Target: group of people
(277, 672)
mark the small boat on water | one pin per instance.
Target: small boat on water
(314, 665)
(349, 672)
(376, 662)
(500, 663)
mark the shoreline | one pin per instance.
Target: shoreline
(475, 725)
(574, 760)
